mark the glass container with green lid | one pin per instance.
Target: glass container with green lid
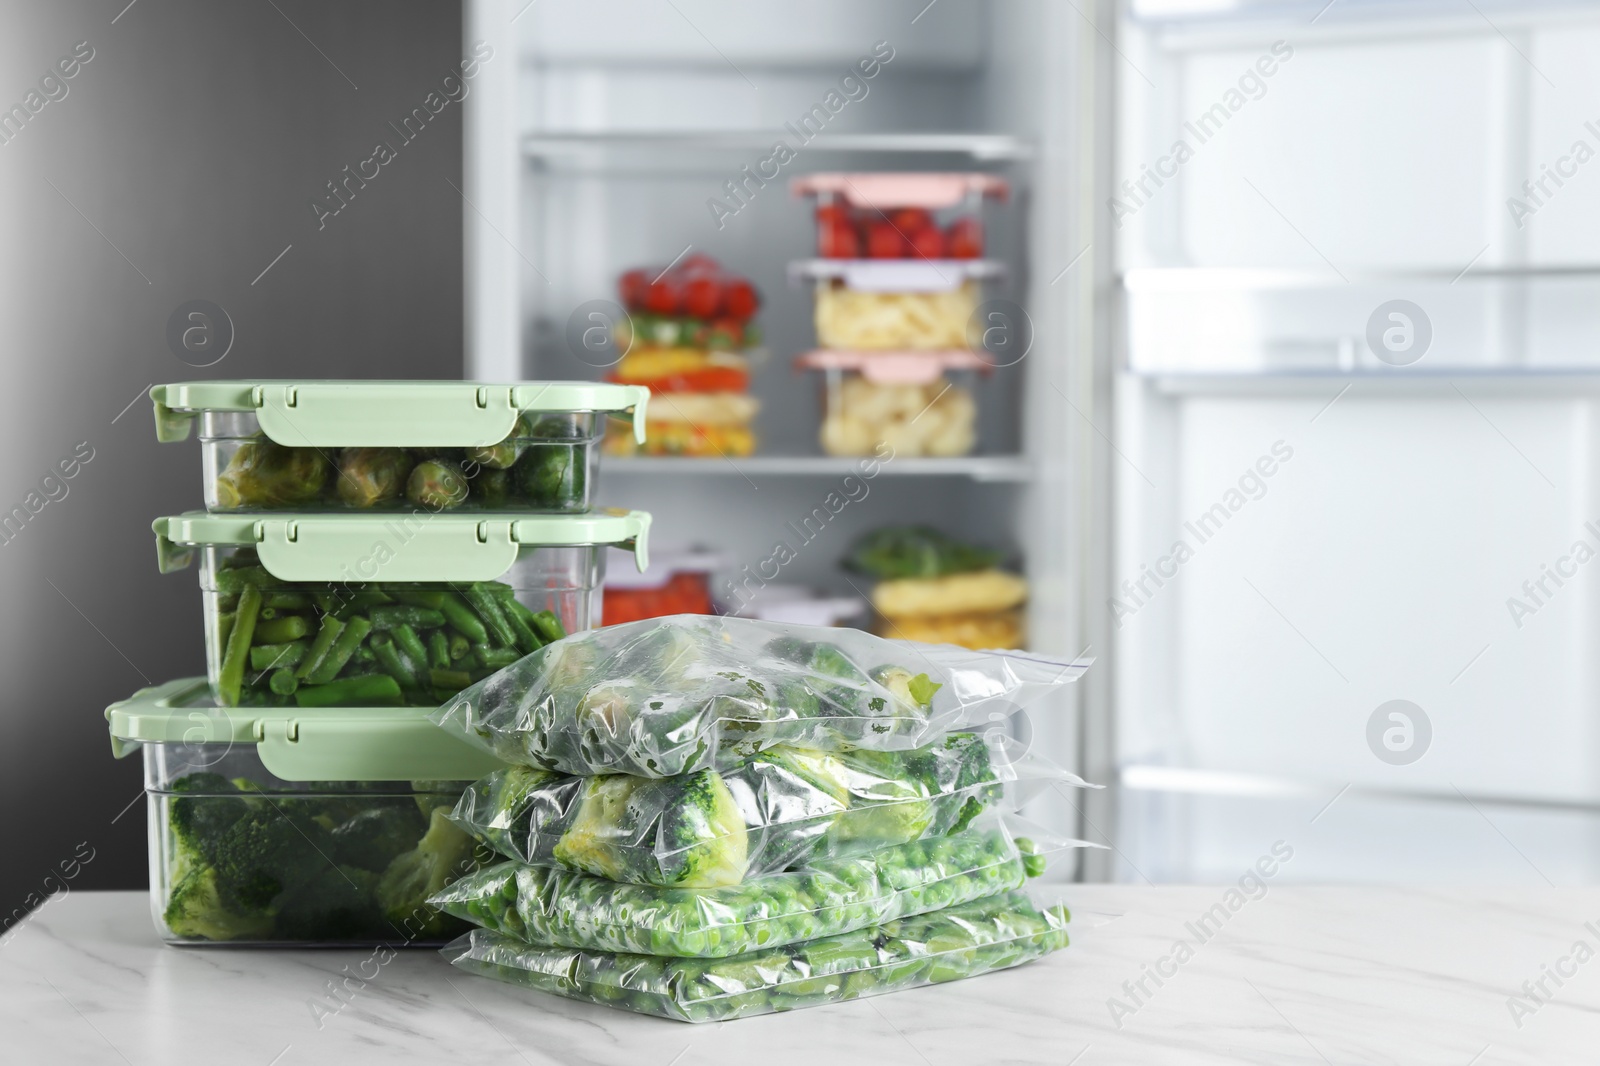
(328, 610)
(397, 445)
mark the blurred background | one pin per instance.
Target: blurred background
(1255, 362)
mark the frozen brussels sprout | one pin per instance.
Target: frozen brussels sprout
(491, 488)
(551, 475)
(504, 455)
(264, 474)
(370, 476)
(437, 484)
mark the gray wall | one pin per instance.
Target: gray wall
(193, 141)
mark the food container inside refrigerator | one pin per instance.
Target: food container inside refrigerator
(918, 403)
(395, 445)
(687, 337)
(278, 827)
(900, 304)
(678, 581)
(923, 216)
(900, 258)
(340, 610)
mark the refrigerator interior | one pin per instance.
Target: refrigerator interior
(1314, 517)
(624, 127)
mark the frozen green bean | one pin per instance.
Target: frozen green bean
(355, 631)
(282, 630)
(376, 689)
(237, 652)
(271, 656)
(326, 635)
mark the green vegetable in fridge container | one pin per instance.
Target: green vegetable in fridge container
(437, 485)
(915, 551)
(264, 474)
(248, 865)
(368, 477)
(550, 474)
(490, 488)
(443, 854)
(501, 456)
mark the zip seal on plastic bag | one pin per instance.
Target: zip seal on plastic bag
(832, 896)
(685, 693)
(945, 945)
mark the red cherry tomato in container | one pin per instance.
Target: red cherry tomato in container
(910, 219)
(884, 241)
(739, 299)
(927, 243)
(964, 239)
(632, 287)
(828, 214)
(702, 296)
(661, 298)
(837, 239)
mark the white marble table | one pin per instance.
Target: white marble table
(1304, 975)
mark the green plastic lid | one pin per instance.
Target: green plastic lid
(295, 744)
(396, 414)
(419, 546)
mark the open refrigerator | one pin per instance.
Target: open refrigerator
(602, 137)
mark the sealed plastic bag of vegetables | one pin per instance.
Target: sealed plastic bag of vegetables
(685, 693)
(945, 945)
(825, 898)
(710, 829)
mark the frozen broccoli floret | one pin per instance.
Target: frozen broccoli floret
(443, 854)
(335, 904)
(704, 841)
(699, 835)
(200, 816)
(195, 910)
(373, 838)
(267, 851)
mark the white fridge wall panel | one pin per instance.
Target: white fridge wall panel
(1376, 565)
(1560, 223)
(1380, 154)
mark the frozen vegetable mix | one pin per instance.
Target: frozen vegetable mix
(709, 829)
(945, 945)
(329, 644)
(828, 897)
(243, 865)
(685, 693)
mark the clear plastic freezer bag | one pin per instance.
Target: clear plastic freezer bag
(825, 898)
(945, 945)
(685, 693)
(711, 829)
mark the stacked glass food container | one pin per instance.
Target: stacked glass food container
(368, 549)
(704, 818)
(896, 294)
